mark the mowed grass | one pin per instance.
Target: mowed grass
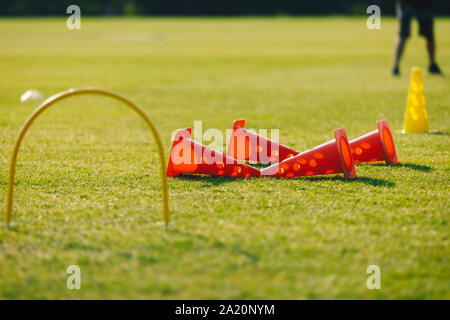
(88, 189)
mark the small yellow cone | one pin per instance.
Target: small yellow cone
(416, 117)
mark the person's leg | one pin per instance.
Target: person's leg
(398, 52)
(404, 14)
(426, 29)
(431, 49)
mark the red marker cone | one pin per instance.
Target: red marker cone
(246, 145)
(377, 145)
(328, 158)
(188, 156)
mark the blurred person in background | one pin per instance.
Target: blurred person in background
(422, 11)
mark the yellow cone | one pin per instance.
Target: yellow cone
(416, 117)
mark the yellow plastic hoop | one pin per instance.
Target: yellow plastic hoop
(65, 94)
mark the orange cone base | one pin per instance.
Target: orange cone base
(188, 156)
(375, 146)
(246, 145)
(329, 158)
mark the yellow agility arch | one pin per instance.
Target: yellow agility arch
(65, 94)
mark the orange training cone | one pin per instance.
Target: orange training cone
(246, 145)
(377, 145)
(188, 156)
(329, 158)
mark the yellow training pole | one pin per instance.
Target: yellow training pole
(65, 94)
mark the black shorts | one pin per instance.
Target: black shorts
(406, 12)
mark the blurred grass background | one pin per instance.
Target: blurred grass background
(87, 181)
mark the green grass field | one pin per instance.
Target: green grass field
(87, 187)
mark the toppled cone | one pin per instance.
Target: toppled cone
(246, 145)
(377, 145)
(188, 156)
(329, 158)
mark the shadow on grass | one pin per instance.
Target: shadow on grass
(439, 133)
(414, 166)
(13, 227)
(370, 181)
(214, 180)
(417, 167)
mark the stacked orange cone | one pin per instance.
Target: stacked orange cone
(248, 146)
(188, 156)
